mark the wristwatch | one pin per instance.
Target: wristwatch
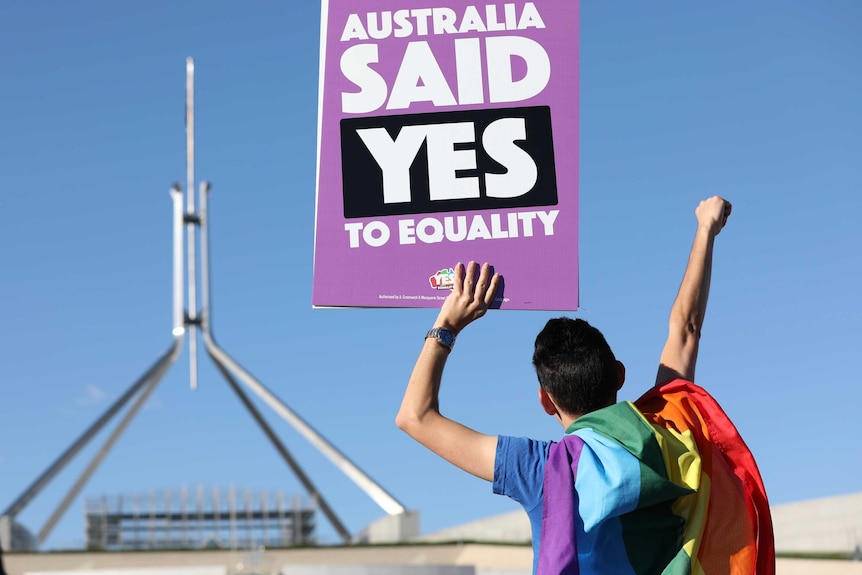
(443, 335)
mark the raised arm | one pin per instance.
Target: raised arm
(679, 356)
(419, 415)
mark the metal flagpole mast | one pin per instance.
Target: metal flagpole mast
(192, 221)
(187, 320)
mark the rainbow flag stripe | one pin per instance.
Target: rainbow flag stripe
(662, 486)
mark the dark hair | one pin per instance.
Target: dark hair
(576, 366)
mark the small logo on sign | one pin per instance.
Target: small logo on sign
(443, 279)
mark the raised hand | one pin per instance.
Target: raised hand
(712, 214)
(472, 294)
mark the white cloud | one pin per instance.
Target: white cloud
(93, 395)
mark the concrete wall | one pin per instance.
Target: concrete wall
(272, 561)
(167, 570)
(391, 529)
(513, 527)
(814, 567)
(832, 524)
(378, 570)
(827, 525)
(485, 559)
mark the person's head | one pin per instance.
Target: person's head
(576, 367)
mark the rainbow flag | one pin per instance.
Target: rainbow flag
(664, 485)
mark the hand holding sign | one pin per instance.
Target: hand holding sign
(471, 296)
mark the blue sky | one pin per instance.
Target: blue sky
(756, 101)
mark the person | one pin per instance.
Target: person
(661, 485)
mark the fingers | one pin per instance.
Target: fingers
(472, 294)
(486, 287)
(476, 283)
(492, 290)
(482, 283)
(459, 278)
(470, 279)
(722, 209)
(728, 207)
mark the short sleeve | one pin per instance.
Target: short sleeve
(519, 468)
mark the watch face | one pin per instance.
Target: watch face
(446, 337)
(442, 335)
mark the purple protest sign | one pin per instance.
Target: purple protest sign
(447, 132)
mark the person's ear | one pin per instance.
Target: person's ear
(621, 375)
(547, 402)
